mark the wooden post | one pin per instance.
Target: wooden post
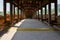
(21, 10)
(18, 13)
(21, 14)
(56, 11)
(45, 11)
(49, 19)
(38, 14)
(41, 14)
(35, 14)
(38, 10)
(18, 10)
(4, 10)
(11, 10)
(14, 11)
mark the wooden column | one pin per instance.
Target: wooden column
(45, 11)
(21, 10)
(11, 10)
(35, 14)
(38, 10)
(14, 11)
(38, 14)
(18, 13)
(41, 14)
(49, 19)
(4, 3)
(18, 10)
(21, 14)
(56, 11)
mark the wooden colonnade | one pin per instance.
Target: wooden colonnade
(42, 5)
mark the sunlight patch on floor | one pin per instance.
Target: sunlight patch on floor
(9, 34)
(19, 23)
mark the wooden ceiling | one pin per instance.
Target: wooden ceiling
(30, 4)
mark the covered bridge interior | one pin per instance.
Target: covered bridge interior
(30, 9)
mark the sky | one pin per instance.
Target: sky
(1, 5)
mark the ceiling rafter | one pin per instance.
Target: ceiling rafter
(30, 3)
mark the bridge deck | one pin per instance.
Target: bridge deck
(32, 35)
(36, 35)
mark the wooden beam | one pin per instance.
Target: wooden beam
(15, 3)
